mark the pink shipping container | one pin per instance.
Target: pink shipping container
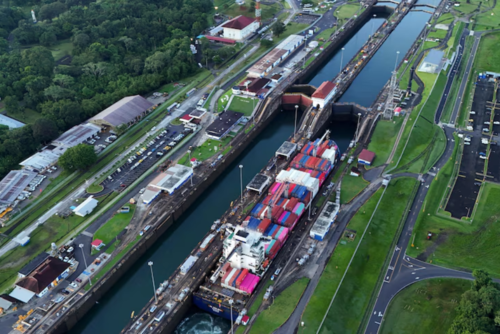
(283, 235)
(275, 187)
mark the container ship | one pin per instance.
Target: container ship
(251, 245)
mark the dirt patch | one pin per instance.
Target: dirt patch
(441, 238)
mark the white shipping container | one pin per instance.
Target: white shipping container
(188, 264)
(231, 274)
(207, 241)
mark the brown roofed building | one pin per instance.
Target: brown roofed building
(45, 276)
(240, 28)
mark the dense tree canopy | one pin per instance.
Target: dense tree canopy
(120, 48)
(479, 309)
(80, 157)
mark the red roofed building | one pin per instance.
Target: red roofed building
(324, 94)
(366, 157)
(240, 28)
(97, 244)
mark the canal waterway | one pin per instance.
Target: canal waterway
(134, 290)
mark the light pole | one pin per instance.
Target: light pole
(85, 261)
(231, 304)
(241, 181)
(396, 64)
(150, 264)
(189, 152)
(295, 128)
(341, 59)
(373, 23)
(357, 127)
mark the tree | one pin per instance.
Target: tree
(44, 130)
(81, 40)
(12, 105)
(80, 157)
(266, 43)
(48, 38)
(278, 28)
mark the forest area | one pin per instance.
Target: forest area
(119, 48)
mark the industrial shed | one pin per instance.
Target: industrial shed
(172, 179)
(77, 135)
(13, 184)
(128, 110)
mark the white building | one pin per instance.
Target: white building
(432, 62)
(245, 249)
(172, 179)
(324, 94)
(240, 28)
(86, 207)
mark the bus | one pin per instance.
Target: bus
(172, 107)
(191, 92)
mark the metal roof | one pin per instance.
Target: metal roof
(267, 61)
(172, 178)
(33, 264)
(13, 184)
(77, 135)
(10, 122)
(290, 43)
(434, 57)
(123, 111)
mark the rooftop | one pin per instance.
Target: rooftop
(43, 275)
(77, 135)
(224, 122)
(123, 111)
(323, 90)
(434, 57)
(258, 84)
(33, 264)
(291, 42)
(239, 22)
(10, 122)
(96, 242)
(13, 184)
(172, 178)
(267, 61)
(259, 182)
(286, 149)
(366, 155)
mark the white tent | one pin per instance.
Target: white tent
(22, 294)
(86, 207)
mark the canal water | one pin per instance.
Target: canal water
(133, 291)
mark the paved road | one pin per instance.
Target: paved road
(463, 83)
(451, 76)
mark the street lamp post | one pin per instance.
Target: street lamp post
(396, 63)
(357, 127)
(341, 59)
(85, 261)
(373, 23)
(231, 304)
(241, 181)
(295, 128)
(189, 152)
(150, 264)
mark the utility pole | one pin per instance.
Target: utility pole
(295, 128)
(241, 181)
(150, 264)
(341, 59)
(85, 261)
(231, 304)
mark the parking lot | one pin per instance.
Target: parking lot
(136, 166)
(304, 18)
(471, 174)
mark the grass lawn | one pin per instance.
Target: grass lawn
(486, 57)
(437, 33)
(459, 244)
(61, 49)
(114, 226)
(427, 306)
(94, 188)
(354, 295)
(281, 309)
(346, 11)
(351, 186)
(488, 20)
(383, 139)
(206, 150)
(29, 116)
(224, 100)
(446, 18)
(243, 105)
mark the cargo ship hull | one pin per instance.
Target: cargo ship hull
(212, 306)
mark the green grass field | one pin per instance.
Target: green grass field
(383, 139)
(424, 307)
(281, 309)
(346, 11)
(114, 226)
(61, 49)
(243, 105)
(354, 295)
(437, 33)
(208, 149)
(29, 116)
(351, 186)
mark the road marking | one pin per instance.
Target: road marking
(378, 323)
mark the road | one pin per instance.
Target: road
(404, 270)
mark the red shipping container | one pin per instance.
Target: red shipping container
(307, 199)
(277, 211)
(264, 224)
(240, 279)
(291, 204)
(228, 271)
(290, 189)
(266, 200)
(291, 219)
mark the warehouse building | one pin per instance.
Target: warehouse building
(172, 179)
(366, 157)
(240, 28)
(128, 110)
(13, 184)
(275, 57)
(86, 207)
(224, 123)
(77, 135)
(40, 280)
(33, 264)
(432, 62)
